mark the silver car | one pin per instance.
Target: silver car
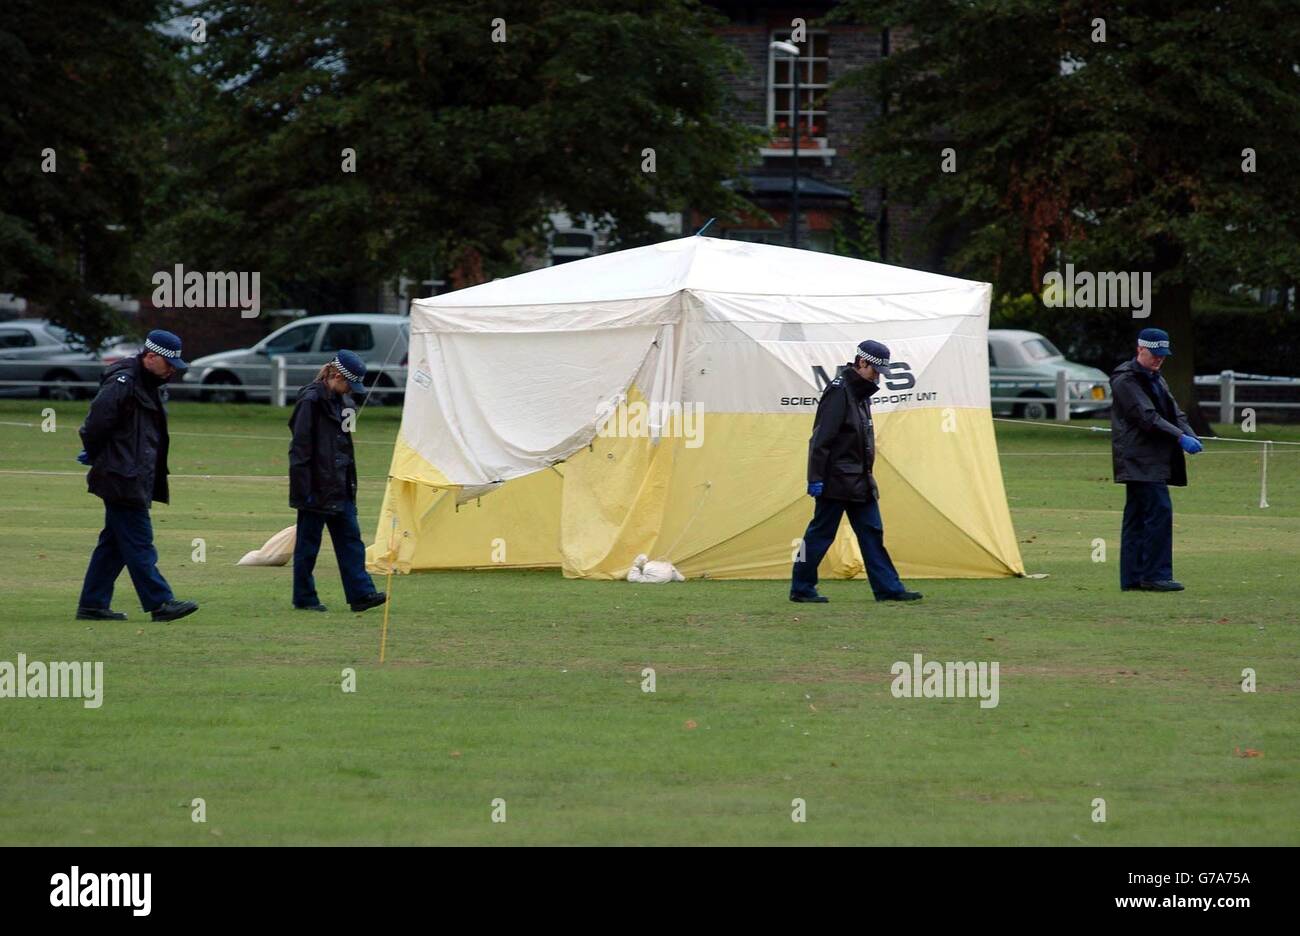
(1023, 364)
(37, 350)
(305, 346)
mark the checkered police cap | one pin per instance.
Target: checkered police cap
(1155, 340)
(167, 345)
(874, 353)
(339, 366)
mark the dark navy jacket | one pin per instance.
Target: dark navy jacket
(125, 437)
(842, 450)
(1145, 427)
(322, 469)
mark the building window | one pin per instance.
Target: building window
(568, 245)
(821, 241)
(814, 80)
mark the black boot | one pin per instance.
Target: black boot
(99, 614)
(901, 596)
(368, 602)
(1167, 585)
(174, 610)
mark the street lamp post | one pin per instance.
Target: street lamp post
(792, 50)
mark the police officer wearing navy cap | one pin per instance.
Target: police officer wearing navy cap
(126, 443)
(1149, 437)
(841, 454)
(323, 485)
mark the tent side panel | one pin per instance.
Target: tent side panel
(517, 525)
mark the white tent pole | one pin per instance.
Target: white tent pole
(1263, 480)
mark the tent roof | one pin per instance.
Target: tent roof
(706, 264)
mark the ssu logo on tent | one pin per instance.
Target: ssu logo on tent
(898, 376)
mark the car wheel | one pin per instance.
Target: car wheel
(221, 394)
(63, 392)
(1035, 409)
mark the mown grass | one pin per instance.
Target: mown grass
(527, 687)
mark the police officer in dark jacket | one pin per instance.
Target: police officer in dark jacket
(126, 443)
(323, 485)
(841, 454)
(1149, 436)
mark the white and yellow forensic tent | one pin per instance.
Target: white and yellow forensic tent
(659, 400)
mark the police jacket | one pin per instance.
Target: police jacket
(125, 436)
(322, 470)
(842, 450)
(1146, 425)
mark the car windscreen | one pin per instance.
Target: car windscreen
(1040, 349)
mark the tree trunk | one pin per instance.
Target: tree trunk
(1173, 312)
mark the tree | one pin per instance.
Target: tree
(352, 141)
(1117, 137)
(81, 82)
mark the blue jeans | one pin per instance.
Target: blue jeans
(348, 550)
(125, 542)
(864, 517)
(1147, 544)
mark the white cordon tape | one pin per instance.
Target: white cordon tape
(1048, 425)
(1267, 443)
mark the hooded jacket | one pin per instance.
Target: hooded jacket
(1145, 427)
(125, 437)
(322, 468)
(842, 450)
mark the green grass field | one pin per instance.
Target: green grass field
(527, 687)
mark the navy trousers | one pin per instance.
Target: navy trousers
(348, 550)
(1147, 544)
(125, 542)
(864, 517)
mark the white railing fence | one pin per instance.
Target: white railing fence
(284, 379)
(1060, 394)
(1228, 404)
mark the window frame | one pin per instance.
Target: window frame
(270, 349)
(20, 332)
(809, 61)
(324, 338)
(1029, 343)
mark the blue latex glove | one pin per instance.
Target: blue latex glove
(1191, 445)
(83, 457)
(815, 489)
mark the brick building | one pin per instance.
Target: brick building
(831, 120)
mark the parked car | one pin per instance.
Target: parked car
(34, 349)
(1023, 364)
(305, 346)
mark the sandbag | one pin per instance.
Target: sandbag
(653, 573)
(276, 551)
